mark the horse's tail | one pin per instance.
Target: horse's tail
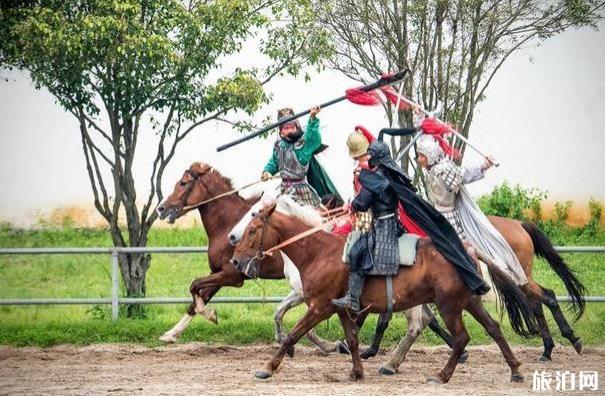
(521, 316)
(544, 249)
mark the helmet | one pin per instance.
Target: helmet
(428, 146)
(357, 144)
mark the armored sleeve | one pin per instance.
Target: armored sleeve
(472, 174)
(450, 174)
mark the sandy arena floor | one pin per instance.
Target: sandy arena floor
(198, 368)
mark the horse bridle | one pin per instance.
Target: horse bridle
(260, 254)
(250, 268)
(195, 176)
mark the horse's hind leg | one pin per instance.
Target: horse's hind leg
(292, 300)
(440, 331)
(547, 340)
(326, 346)
(548, 298)
(381, 326)
(475, 308)
(452, 315)
(311, 319)
(417, 321)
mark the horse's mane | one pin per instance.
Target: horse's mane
(221, 181)
(308, 214)
(219, 176)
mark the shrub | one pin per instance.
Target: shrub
(562, 211)
(513, 202)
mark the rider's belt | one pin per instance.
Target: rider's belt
(382, 216)
(292, 181)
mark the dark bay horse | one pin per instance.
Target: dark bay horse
(526, 240)
(324, 276)
(199, 183)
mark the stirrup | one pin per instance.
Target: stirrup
(343, 302)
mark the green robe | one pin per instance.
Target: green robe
(316, 176)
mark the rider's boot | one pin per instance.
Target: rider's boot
(351, 299)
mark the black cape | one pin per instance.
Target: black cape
(441, 232)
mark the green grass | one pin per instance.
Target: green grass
(54, 276)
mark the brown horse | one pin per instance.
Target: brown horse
(324, 276)
(199, 183)
(526, 240)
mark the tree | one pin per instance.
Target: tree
(115, 65)
(453, 48)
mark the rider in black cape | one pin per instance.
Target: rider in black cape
(386, 182)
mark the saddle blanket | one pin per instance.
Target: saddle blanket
(406, 245)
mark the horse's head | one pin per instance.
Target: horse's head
(259, 235)
(190, 190)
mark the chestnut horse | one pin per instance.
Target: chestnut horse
(199, 183)
(324, 276)
(526, 240)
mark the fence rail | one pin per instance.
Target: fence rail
(115, 300)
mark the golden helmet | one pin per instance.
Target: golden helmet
(357, 144)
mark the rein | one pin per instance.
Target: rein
(300, 236)
(330, 212)
(226, 194)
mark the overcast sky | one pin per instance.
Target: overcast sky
(543, 120)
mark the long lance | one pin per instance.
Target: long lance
(454, 131)
(385, 80)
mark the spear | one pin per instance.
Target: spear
(350, 95)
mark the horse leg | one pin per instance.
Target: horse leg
(416, 323)
(434, 325)
(351, 331)
(476, 308)
(212, 281)
(548, 298)
(326, 346)
(381, 326)
(292, 300)
(172, 335)
(452, 315)
(311, 319)
(547, 340)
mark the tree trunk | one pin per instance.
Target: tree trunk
(134, 268)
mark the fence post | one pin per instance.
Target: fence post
(115, 286)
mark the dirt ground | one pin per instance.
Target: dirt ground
(198, 368)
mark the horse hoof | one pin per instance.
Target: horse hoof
(368, 353)
(578, 345)
(262, 374)
(290, 351)
(342, 348)
(516, 378)
(463, 357)
(544, 359)
(356, 375)
(168, 339)
(434, 381)
(386, 371)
